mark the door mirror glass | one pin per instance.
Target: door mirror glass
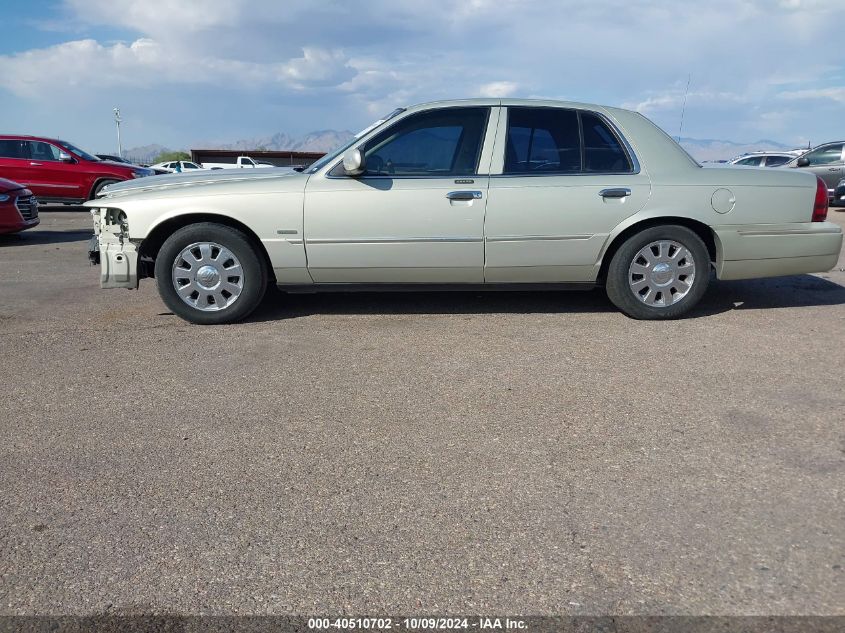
(353, 162)
(65, 157)
(803, 162)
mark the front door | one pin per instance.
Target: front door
(50, 177)
(827, 163)
(561, 180)
(416, 214)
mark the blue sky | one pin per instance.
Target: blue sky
(190, 72)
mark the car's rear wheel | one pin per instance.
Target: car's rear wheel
(659, 273)
(209, 273)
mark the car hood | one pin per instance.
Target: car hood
(9, 185)
(200, 177)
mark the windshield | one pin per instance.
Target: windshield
(332, 155)
(83, 155)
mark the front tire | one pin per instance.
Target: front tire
(659, 273)
(100, 186)
(209, 274)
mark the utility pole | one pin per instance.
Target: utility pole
(117, 123)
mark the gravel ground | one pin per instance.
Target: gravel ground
(531, 453)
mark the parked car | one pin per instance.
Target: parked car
(764, 159)
(483, 193)
(114, 159)
(174, 166)
(57, 171)
(242, 162)
(827, 161)
(18, 207)
(839, 194)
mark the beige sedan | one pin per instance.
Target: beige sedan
(482, 193)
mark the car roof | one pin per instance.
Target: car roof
(488, 101)
(31, 137)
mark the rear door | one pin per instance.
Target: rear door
(14, 159)
(561, 180)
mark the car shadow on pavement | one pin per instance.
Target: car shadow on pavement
(795, 291)
(722, 296)
(35, 236)
(278, 305)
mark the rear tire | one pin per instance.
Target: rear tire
(209, 274)
(659, 273)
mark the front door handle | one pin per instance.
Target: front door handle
(833, 168)
(617, 192)
(464, 195)
(36, 164)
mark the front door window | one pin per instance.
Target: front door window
(440, 143)
(826, 155)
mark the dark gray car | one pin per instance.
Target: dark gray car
(839, 194)
(826, 161)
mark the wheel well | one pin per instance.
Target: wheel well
(699, 228)
(97, 183)
(151, 245)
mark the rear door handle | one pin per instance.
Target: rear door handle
(617, 192)
(833, 168)
(464, 195)
(36, 164)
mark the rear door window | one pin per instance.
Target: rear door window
(14, 148)
(562, 141)
(542, 140)
(776, 161)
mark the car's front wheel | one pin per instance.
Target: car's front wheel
(659, 273)
(209, 273)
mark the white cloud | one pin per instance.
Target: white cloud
(835, 93)
(497, 89)
(88, 65)
(363, 60)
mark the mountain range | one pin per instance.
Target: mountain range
(326, 140)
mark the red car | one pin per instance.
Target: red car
(56, 171)
(18, 207)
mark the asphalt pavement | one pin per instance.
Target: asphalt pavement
(533, 453)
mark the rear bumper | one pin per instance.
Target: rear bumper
(748, 252)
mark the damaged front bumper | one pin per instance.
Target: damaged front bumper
(111, 248)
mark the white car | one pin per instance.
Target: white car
(766, 159)
(482, 193)
(175, 166)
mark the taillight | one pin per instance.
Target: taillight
(820, 205)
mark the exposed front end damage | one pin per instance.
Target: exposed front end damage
(111, 248)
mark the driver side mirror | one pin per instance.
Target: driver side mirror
(66, 158)
(354, 163)
(803, 162)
